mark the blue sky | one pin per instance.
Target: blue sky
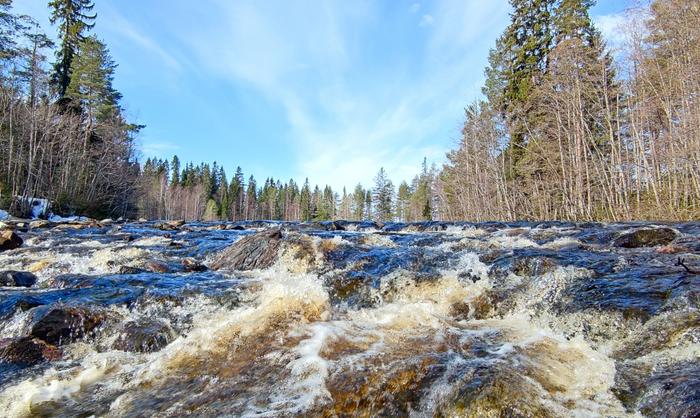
(330, 90)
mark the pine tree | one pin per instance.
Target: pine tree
(251, 199)
(236, 195)
(383, 195)
(92, 72)
(73, 20)
(175, 177)
(516, 66)
(358, 203)
(305, 202)
(403, 199)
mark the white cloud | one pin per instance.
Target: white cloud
(158, 149)
(415, 7)
(348, 117)
(426, 20)
(612, 27)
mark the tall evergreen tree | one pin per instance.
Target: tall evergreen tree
(92, 72)
(74, 19)
(175, 167)
(305, 202)
(358, 203)
(383, 195)
(517, 65)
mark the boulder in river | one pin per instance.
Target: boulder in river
(65, 324)
(145, 336)
(17, 278)
(646, 237)
(27, 350)
(40, 223)
(156, 267)
(9, 240)
(258, 251)
(193, 266)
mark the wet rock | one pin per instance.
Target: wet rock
(169, 225)
(130, 270)
(17, 278)
(156, 267)
(9, 240)
(106, 222)
(145, 336)
(258, 251)
(646, 237)
(232, 227)
(64, 324)
(27, 350)
(41, 223)
(193, 266)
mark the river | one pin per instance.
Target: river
(267, 319)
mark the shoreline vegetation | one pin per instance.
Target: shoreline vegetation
(567, 128)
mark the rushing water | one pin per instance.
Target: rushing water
(354, 319)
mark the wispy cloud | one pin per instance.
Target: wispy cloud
(159, 149)
(116, 23)
(612, 27)
(307, 57)
(415, 7)
(426, 20)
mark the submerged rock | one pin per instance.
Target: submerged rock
(646, 237)
(17, 278)
(193, 266)
(9, 240)
(258, 251)
(64, 324)
(144, 336)
(27, 350)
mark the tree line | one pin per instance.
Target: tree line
(566, 131)
(63, 133)
(168, 190)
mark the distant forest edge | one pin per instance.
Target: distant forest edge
(566, 129)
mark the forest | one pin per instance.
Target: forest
(569, 129)
(566, 129)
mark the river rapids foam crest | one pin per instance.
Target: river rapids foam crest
(465, 320)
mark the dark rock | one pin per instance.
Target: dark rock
(9, 240)
(130, 270)
(232, 227)
(27, 350)
(646, 237)
(144, 336)
(17, 278)
(256, 251)
(156, 267)
(191, 265)
(64, 324)
(169, 225)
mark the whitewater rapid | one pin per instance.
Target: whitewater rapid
(362, 320)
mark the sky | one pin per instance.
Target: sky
(329, 90)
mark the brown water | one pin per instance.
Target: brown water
(402, 320)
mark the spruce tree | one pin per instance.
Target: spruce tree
(358, 203)
(383, 195)
(305, 202)
(175, 167)
(90, 86)
(74, 19)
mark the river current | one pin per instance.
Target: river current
(341, 319)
